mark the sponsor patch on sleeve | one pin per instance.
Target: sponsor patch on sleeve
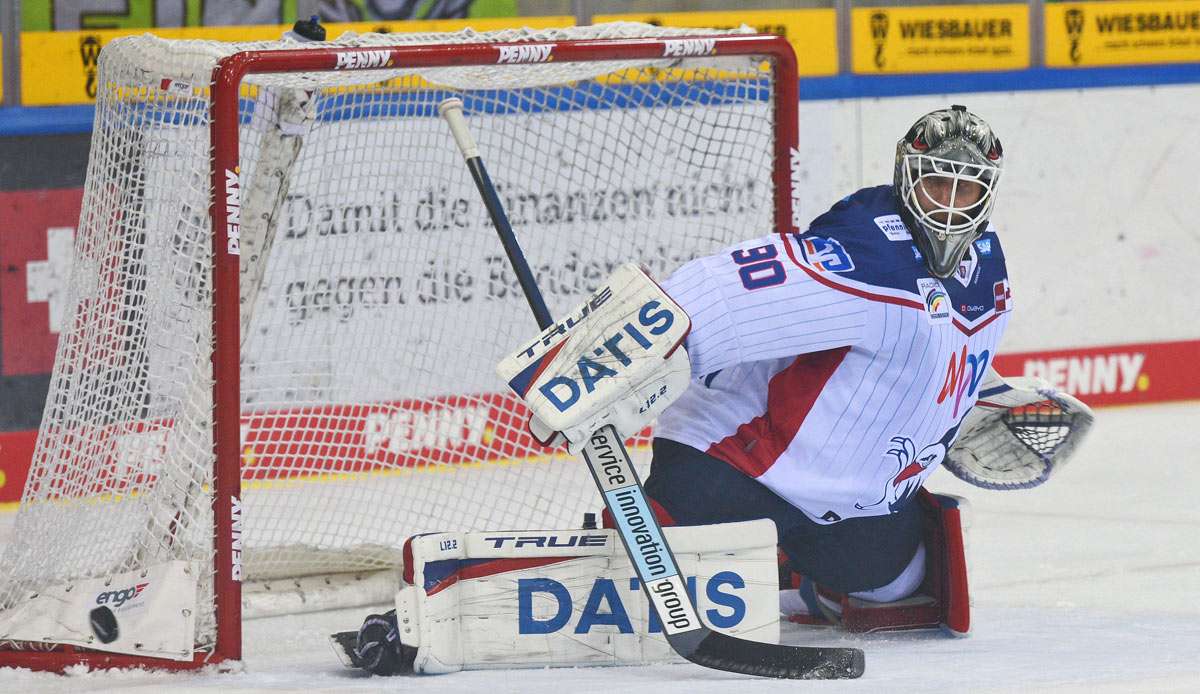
(893, 227)
(826, 254)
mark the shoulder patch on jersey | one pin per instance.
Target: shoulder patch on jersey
(937, 302)
(1002, 295)
(825, 254)
(893, 227)
(984, 246)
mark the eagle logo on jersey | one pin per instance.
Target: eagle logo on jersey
(911, 468)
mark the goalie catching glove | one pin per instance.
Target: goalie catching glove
(1020, 432)
(617, 359)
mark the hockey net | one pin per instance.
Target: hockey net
(302, 406)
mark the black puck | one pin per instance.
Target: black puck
(104, 624)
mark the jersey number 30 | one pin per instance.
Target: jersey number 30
(758, 267)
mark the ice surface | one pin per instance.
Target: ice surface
(1088, 584)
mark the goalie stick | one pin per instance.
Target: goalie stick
(612, 469)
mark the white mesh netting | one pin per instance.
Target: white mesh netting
(376, 298)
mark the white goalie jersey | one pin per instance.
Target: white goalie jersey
(830, 365)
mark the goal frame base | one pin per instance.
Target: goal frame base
(59, 659)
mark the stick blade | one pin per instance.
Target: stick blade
(722, 652)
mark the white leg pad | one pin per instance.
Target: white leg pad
(571, 598)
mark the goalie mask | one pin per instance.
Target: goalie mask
(947, 168)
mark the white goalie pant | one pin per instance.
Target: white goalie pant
(571, 598)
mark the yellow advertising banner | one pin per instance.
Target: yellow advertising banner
(812, 32)
(1122, 33)
(939, 38)
(60, 67)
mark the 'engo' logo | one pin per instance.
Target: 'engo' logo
(538, 53)
(681, 48)
(236, 536)
(233, 212)
(120, 597)
(362, 60)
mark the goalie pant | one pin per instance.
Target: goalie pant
(900, 571)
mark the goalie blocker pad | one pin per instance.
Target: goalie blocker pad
(617, 359)
(571, 598)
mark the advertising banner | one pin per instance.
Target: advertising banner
(940, 38)
(1115, 375)
(812, 32)
(61, 67)
(16, 453)
(59, 15)
(1082, 34)
(456, 429)
(39, 227)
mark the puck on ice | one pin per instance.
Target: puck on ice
(104, 624)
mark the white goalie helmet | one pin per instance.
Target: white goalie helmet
(947, 168)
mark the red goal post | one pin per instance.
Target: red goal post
(226, 124)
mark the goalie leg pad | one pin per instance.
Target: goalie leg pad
(946, 568)
(571, 598)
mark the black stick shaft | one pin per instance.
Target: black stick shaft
(516, 258)
(696, 642)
